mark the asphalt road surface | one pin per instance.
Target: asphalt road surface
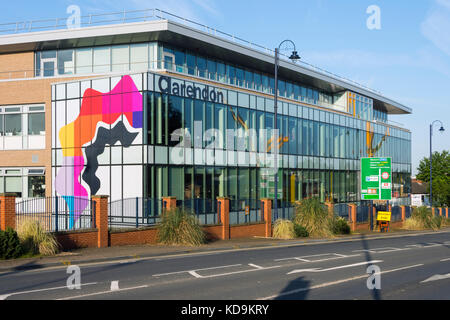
(402, 267)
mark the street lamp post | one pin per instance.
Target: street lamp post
(431, 158)
(294, 56)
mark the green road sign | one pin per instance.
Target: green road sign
(376, 179)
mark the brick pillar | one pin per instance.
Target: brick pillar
(7, 211)
(330, 208)
(403, 208)
(352, 215)
(224, 212)
(440, 212)
(101, 220)
(169, 203)
(374, 217)
(446, 212)
(390, 208)
(267, 208)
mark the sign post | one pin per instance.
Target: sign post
(376, 181)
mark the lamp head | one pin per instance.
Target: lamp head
(442, 129)
(294, 56)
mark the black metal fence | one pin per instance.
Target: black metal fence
(396, 214)
(57, 213)
(134, 212)
(341, 210)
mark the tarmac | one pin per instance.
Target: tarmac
(95, 255)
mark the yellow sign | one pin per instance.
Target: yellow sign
(384, 216)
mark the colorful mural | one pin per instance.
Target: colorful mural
(96, 108)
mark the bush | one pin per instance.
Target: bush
(283, 229)
(179, 227)
(10, 247)
(314, 217)
(422, 218)
(340, 226)
(300, 231)
(35, 239)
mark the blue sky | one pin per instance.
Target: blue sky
(408, 59)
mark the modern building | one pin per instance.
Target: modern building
(159, 108)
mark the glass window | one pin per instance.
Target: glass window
(36, 186)
(231, 74)
(49, 68)
(36, 123)
(271, 85)
(1, 125)
(180, 63)
(102, 59)
(296, 92)
(211, 69)
(13, 124)
(191, 64)
(265, 83)
(48, 54)
(304, 94)
(248, 79)
(175, 118)
(257, 81)
(281, 88)
(65, 62)
(120, 58)
(84, 61)
(201, 65)
(139, 56)
(239, 77)
(221, 72)
(14, 185)
(289, 90)
(38, 64)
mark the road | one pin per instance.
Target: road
(411, 267)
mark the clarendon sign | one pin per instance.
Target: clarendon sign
(167, 86)
(376, 179)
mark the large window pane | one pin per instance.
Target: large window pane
(36, 123)
(201, 65)
(180, 63)
(36, 187)
(191, 65)
(240, 77)
(139, 57)
(65, 62)
(1, 125)
(14, 185)
(84, 61)
(211, 69)
(231, 74)
(13, 124)
(102, 59)
(120, 58)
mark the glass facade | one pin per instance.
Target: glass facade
(199, 142)
(153, 55)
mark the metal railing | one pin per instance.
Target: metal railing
(134, 212)
(57, 213)
(152, 15)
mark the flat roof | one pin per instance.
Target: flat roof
(198, 41)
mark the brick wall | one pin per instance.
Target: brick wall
(247, 231)
(77, 239)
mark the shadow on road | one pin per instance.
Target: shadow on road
(297, 289)
(376, 294)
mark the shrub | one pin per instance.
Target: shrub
(314, 217)
(179, 227)
(340, 226)
(35, 239)
(422, 218)
(10, 247)
(300, 231)
(283, 229)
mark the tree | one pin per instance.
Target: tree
(441, 176)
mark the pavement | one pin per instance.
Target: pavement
(407, 265)
(97, 255)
